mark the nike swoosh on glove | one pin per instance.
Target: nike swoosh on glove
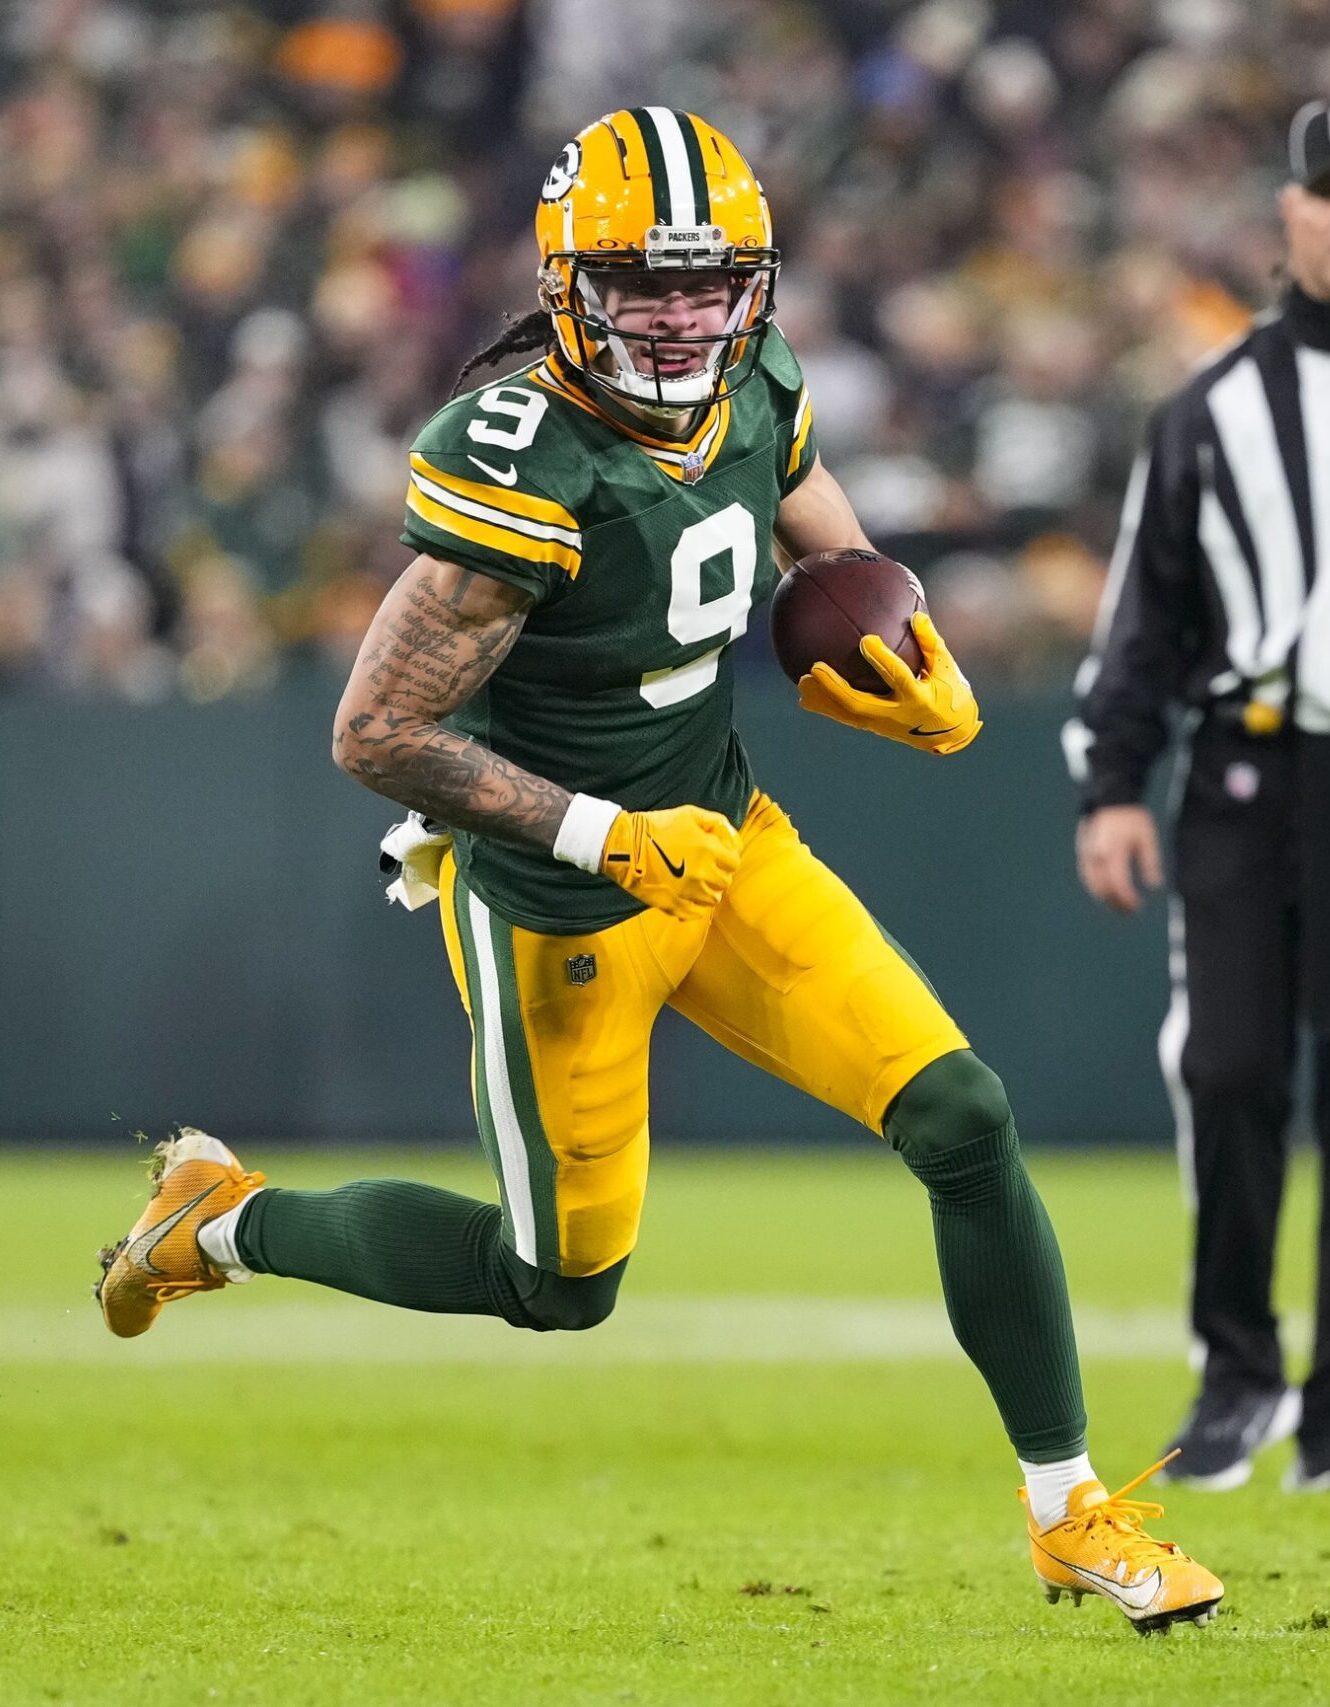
(935, 711)
(680, 859)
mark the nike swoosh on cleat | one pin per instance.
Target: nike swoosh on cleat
(140, 1252)
(1137, 1598)
(947, 731)
(674, 870)
(505, 477)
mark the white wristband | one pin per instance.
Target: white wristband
(581, 837)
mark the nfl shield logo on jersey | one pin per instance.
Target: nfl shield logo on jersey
(694, 467)
(581, 968)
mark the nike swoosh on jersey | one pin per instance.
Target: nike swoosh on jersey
(1136, 1598)
(947, 731)
(140, 1252)
(505, 477)
(674, 870)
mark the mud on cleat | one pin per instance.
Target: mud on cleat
(1101, 1547)
(194, 1178)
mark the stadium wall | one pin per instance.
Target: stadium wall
(194, 929)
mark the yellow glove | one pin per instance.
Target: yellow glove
(934, 711)
(680, 859)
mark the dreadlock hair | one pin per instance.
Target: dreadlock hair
(533, 331)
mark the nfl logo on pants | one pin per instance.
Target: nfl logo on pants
(581, 968)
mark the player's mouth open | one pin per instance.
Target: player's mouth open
(674, 364)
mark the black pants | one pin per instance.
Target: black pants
(1252, 871)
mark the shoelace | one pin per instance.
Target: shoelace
(1127, 1517)
(169, 1290)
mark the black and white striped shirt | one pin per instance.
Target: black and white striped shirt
(1218, 593)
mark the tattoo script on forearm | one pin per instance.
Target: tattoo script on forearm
(429, 650)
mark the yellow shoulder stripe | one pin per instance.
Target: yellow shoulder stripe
(497, 497)
(803, 423)
(495, 538)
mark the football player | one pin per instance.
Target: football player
(548, 689)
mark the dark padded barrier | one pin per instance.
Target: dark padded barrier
(192, 928)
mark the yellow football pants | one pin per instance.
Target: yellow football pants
(790, 971)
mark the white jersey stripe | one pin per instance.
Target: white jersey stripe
(1128, 527)
(1241, 413)
(507, 1129)
(497, 518)
(683, 209)
(1297, 136)
(1233, 578)
(1172, 1042)
(1313, 706)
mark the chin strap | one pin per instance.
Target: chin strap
(737, 317)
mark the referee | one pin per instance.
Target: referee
(1217, 607)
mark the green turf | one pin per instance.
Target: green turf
(671, 1534)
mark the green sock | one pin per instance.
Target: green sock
(1002, 1274)
(418, 1247)
(391, 1240)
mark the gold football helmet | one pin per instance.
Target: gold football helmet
(652, 190)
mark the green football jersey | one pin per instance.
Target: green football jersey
(644, 560)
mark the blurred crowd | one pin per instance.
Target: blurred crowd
(244, 250)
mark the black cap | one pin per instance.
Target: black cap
(1309, 144)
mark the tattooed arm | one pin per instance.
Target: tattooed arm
(437, 637)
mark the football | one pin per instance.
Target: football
(826, 602)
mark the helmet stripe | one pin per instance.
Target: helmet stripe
(678, 174)
(660, 183)
(693, 144)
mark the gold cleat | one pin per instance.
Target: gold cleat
(1101, 1547)
(194, 1178)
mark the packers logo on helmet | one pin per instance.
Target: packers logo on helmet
(651, 190)
(563, 173)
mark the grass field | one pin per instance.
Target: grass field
(768, 1481)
